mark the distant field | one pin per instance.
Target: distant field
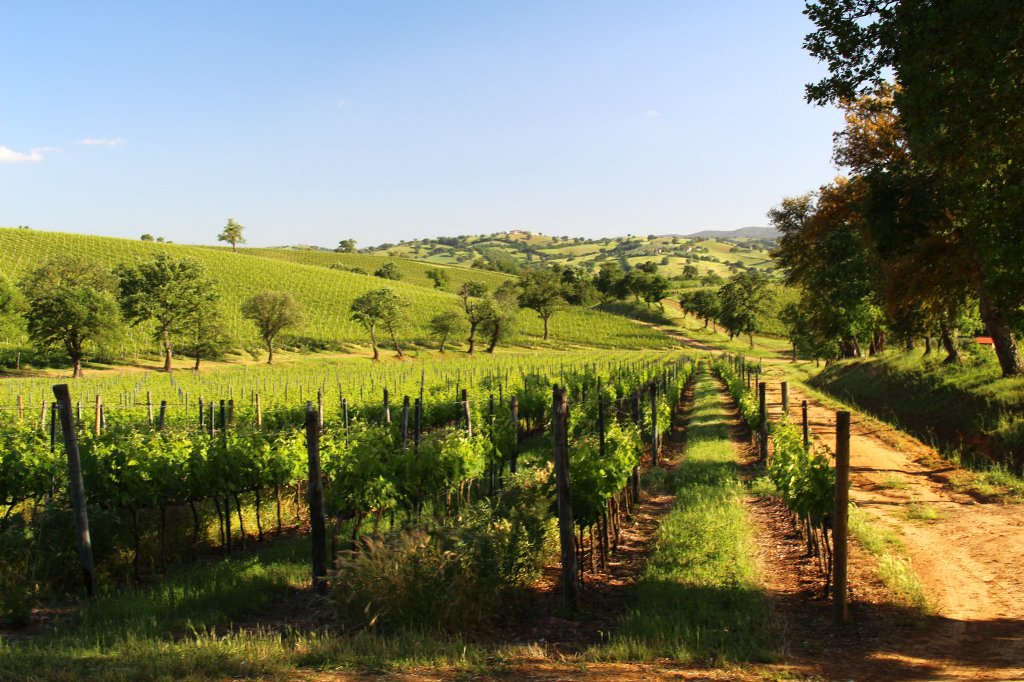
(325, 293)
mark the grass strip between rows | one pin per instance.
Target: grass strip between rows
(698, 599)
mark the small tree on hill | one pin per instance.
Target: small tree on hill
(346, 246)
(541, 291)
(232, 233)
(166, 291)
(12, 305)
(743, 300)
(272, 312)
(445, 325)
(476, 311)
(379, 307)
(439, 277)
(499, 315)
(388, 271)
(71, 305)
(204, 332)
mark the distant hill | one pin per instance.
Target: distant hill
(324, 282)
(743, 232)
(511, 250)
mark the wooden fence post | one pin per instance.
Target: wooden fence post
(149, 407)
(762, 392)
(315, 492)
(53, 426)
(417, 424)
(566, 534)
(405, 421)
(654, 424)
(840, 518)
(259, 411)
(99, 410)
(514, 409)
(807, 431)
(163, 415)
(84, 541)
(785, 400)
(467, 413)
(387, 407)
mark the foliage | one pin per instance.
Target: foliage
(741, 302)
(346, 246)
(232, 233)
(272, 312)
(439, 277)
(71, 306)
(388, 271)
(167, 291)
(958, 112)
(379, 307)
(444, 325)
(540, 290)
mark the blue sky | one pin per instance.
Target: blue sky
(310, 122)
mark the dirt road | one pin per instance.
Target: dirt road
(969, 556)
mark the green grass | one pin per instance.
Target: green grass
(893, 568)
(893, 482)
(698, 598)
(970, 408)
(184, 629)
(919, 511)
(324, 293)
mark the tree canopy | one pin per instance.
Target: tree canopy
(379, 307)
(272, 312)
(72, 306)
(167, 291)
(232, 233)
(959, 66)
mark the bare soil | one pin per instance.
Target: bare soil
(967, 553)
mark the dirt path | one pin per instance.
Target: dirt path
(968, 555)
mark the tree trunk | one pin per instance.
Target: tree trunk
(952, 354)
(373, 342)
(927, 345)
(545, 329)
(1002, 335)
(270, 351)
(76, 364)
(472, 337)
(198, 356)
(167, 351)
(705, 323)
(751, 335)
(394, 340)
(443, 340)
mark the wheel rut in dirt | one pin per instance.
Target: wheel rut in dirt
(966, 554)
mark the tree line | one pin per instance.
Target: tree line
(73, 306)
(924, 237)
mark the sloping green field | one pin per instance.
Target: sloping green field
(413, 271)
(325, 293)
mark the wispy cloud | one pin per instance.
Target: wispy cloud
(652, 113)
(8, 155)
(103, 141)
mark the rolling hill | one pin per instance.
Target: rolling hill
(324, 291)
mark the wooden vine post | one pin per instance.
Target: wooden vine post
(467, 415)
(785, 400)
(840, 518)
(807, 431)
(315, 492)
(566, 535)
(84, 541)
(654, 424)
(513, 465)
(762, 392)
